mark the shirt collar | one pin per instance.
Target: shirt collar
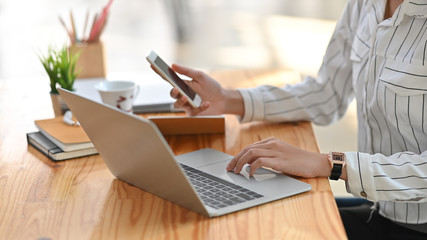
(412, 8)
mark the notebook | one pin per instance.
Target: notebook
(136, 152)
(67, 137)
(39, 141)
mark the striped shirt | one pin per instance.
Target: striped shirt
(383, 64)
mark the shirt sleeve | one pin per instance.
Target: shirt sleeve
(400, 177)
(321, 100)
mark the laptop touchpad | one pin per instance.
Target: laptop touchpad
(261, 174)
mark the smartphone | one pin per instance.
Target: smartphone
(167, 73)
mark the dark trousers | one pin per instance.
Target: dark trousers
(355, 218)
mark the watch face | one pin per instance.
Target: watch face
(338, 157)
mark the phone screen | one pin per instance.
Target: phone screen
(172, 75)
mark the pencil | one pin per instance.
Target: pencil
(91, 29)
(66, 29)
(98, 35)
(73, 26)
(85, 26)
(99, 24)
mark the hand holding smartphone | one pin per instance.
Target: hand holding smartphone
(169, 75)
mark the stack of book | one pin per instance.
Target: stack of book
(60, 141)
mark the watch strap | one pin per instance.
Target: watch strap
(336, 172)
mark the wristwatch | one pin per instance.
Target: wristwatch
(337, 160)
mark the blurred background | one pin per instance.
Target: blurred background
(204, 34)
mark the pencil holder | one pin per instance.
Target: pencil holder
(91, 62)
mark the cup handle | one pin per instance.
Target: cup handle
(136, 92)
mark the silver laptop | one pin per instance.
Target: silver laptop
(136, 152)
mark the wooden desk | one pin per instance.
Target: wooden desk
(80, 199)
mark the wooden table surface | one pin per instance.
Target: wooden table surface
(80, 198)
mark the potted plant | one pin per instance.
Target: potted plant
(60, 66)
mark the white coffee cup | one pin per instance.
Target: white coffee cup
(120, 94)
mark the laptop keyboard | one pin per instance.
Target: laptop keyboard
(216, 192)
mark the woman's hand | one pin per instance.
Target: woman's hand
(280, 156)
(215, 99)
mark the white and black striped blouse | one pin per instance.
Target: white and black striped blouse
(383, 64)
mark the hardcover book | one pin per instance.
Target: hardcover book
(52, 151)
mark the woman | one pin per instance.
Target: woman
(377, 55)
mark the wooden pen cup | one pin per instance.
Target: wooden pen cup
(91, 62)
